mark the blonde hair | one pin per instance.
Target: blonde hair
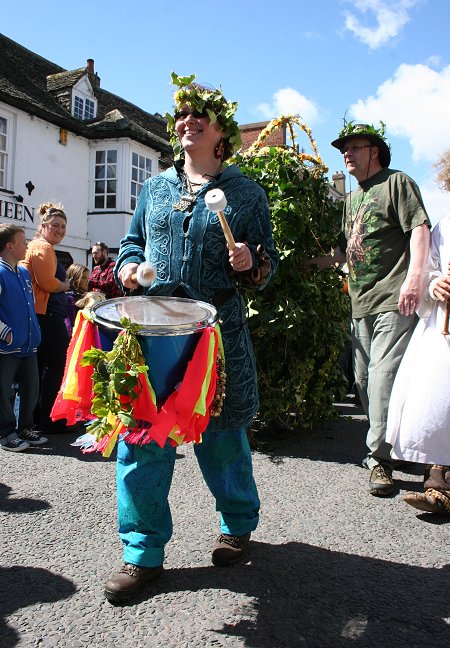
(443, 166)
(47, 212)
(76, 272)
(89, 299)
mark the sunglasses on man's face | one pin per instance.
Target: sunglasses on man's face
(182, 114)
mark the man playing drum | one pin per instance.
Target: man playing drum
(173, 229)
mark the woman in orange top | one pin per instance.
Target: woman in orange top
(49, 287)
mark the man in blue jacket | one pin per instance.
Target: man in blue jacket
(20, 336)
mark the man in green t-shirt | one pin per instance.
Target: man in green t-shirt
(385, 238)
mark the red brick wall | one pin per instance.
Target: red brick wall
(250, 132)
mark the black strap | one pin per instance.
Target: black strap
(222, 296)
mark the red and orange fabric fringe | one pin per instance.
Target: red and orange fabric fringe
(183, 417)
(74, 398)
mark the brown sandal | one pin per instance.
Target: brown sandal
(431, 501)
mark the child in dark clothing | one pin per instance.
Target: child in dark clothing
(78, 275)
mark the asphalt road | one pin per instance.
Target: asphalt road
(329, 565)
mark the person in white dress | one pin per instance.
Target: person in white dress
(418, 426)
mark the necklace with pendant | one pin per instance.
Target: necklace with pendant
(185, 203)
(187, 200)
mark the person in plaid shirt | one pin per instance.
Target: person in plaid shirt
(102, 276)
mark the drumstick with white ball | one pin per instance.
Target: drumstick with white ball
(145, 274)
(215, 201)
(446, 318)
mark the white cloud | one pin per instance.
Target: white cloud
(289, 101)
(415, 105)
(390, 18)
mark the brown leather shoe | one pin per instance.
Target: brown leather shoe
(381, 483)
(229, 549)
(129, 581)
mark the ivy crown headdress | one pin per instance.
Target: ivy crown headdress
(206, 100)
(375, 135)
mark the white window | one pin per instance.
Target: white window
(3, 150)
(84, 103)
(89, 109)
(105, 183)
(141, 169)
(78, 107)
(83, 108)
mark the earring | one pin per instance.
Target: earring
(219, 151)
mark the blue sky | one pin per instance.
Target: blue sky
(375, 59)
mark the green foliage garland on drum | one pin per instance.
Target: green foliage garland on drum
(116, 374)
(300, 322)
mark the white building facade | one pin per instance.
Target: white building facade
(63, 139)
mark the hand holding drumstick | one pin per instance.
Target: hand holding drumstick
(133, 275)
(239, 255)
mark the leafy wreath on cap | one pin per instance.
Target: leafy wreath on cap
(208, 100)
(375, 135)
(350, 128)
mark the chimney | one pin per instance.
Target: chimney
(95, 79)
(339, 182)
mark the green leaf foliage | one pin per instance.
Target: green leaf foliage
(115, 377)
(300, 322)
(350, 128)
(203, 99)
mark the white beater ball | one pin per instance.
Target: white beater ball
(215, 200)
(145, 274)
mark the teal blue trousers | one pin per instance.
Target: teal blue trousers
(144, 476)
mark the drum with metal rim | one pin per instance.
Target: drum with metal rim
(170, 331)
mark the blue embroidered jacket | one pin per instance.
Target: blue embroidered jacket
(189, 251)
